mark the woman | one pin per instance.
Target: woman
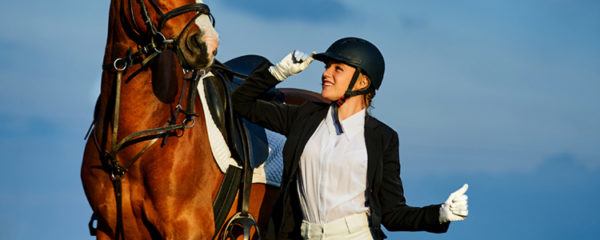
(341, 177)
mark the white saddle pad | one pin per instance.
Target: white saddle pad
(268, 173)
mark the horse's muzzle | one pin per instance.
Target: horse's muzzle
(197, 51)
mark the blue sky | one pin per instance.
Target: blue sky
(502, 95)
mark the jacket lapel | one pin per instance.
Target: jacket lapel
(374, 151)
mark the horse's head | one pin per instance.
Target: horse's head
(185, 26)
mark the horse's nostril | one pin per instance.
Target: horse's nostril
(195, 41)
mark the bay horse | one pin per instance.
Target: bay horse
(147, 170)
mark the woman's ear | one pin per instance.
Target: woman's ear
(362, 82)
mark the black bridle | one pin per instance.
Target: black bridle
(150, 44)
(155, 31)
(152, 41)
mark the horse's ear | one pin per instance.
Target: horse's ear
(165, 75)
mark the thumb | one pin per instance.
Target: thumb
(459, 192)
(463, 189)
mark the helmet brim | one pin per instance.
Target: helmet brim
(326, 56)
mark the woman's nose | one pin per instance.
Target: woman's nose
(327, 72)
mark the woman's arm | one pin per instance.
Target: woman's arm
(396, 215)
(246, 102)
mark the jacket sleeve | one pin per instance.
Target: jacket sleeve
(246, 102)
(396, 215)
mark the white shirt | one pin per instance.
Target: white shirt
(333, 170)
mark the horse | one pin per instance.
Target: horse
(147, 170)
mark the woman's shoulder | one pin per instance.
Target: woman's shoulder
(309, 108)
(379, 126)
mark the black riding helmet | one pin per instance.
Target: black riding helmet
(362, 55)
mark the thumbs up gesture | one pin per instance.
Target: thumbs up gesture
(455, 208)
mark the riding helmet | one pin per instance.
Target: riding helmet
(358, 53)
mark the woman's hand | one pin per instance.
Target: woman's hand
(291, 64)
(455, 208)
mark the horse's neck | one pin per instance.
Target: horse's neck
(139, 108)
(117, 42)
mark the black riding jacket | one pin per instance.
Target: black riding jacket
(385, 194)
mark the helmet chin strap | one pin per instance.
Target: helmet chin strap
(348, 94)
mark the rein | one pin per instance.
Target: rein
(157, 44)
(116, 170)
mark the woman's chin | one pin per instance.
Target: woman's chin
(328, 96)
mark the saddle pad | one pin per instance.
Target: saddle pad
(267, 173)
(273, 166)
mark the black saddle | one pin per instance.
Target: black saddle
(229, 76)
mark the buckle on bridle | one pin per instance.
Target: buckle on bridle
(159, 40)
(123, 64)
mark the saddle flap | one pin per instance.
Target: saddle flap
(245, 139)
(216, 97)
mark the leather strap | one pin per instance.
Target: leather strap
(226, 196)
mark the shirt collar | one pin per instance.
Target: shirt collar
(352, 125)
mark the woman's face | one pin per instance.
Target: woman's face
(335, 80)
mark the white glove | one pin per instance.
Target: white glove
(455, 208)
(291, 64)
